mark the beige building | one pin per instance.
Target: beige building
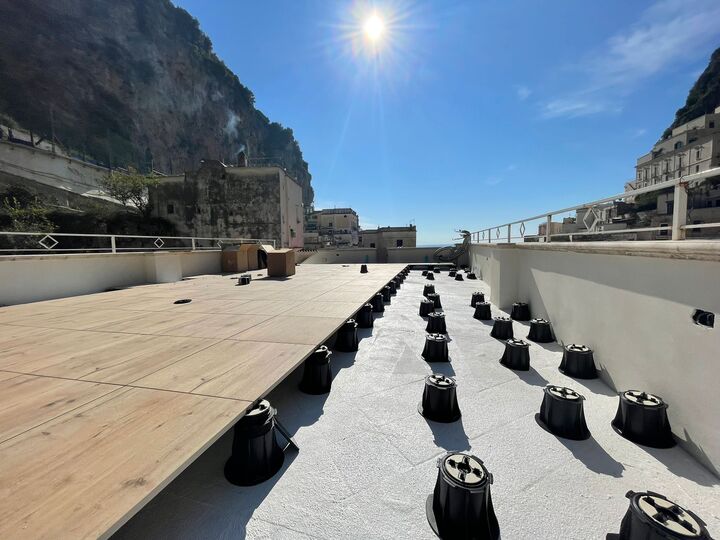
(233, 202)
(331, 227)
(691, 148)
(388, 237)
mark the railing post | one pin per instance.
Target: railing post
(509, 226)
(680, 197)
(489, 237)
(192, 240)
(113, 247)
(547, 227)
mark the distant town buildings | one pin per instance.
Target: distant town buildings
(331, 227)
(387, 237)
(339, 228)
(225, 201)
(691, 148)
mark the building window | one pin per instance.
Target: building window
(663, 231)
(399, 242)
(372, 244)
(170, 208)
(697, 168)
(678, 145)
(711, 125)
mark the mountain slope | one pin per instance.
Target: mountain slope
(704, 96)
(131, 82)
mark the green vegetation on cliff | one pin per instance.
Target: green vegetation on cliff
(704, 96)
(131, 83)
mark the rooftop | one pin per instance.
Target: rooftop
(367, 458)
(118, 408)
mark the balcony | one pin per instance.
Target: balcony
(141, 394)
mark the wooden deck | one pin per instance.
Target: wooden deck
(105, 398)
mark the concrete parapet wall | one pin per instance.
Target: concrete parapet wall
(32, 278)
(370, 255)
(632, 303)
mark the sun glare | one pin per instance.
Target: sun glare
(374, 28)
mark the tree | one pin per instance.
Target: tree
(27, 216)
(131, 188)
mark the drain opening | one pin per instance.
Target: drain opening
(183, 301)
(704, 318)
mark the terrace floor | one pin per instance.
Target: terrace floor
(367, 458)
(105, 398)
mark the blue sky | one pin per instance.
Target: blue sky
(465, 114)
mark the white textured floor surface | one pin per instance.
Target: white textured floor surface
(367, 459)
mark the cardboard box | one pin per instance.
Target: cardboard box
(281, 263)
(233, 260)
(251, 255)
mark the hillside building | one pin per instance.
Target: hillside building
(691, 148)
(331, 227)
(221, 201)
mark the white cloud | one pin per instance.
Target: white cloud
(493, 180)
(666, 34)
(639, 132)
(523, 92)
(574, 107)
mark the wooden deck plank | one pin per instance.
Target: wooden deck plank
(163, 323)
(85, 473)
(97, 356)
(300, 330)
(30, 401)
(82, 464)
(233, 369)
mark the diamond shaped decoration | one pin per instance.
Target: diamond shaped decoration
(483, 235)
(592, 223)
(219, 243)
(497, 232)
(159, 243)
(48, 242)
(522, 230)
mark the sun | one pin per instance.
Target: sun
(374, 28)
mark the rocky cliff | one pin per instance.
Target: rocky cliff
(704, 96)
(131, 82)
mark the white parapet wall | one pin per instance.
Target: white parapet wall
(32, 278)
(632, 303)
(370, 255)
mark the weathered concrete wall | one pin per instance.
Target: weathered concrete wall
(631, 303)
(53, 170)
(370, 255)
(346, 256)
(233, 202)
(32, 278)
(410, 254)
(291, 213)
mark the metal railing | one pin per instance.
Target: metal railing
(591, 217)
(34, 242)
